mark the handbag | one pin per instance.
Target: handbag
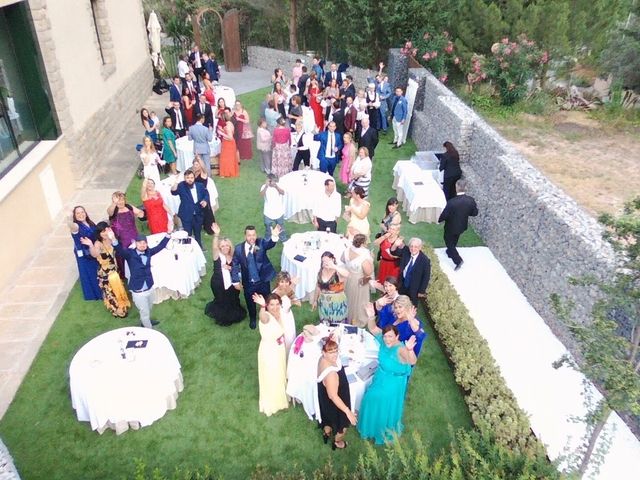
(247, 133)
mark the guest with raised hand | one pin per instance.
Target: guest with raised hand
(404, 318)
(122, 217)
(278, 77)
(285, 285)
(83, 232)
(329, 297)
(114, 294)
(356, 214)
(380, 416)
(359, 264)
(384, 305)
(169, 152)
(272, 358)
(193, 200)
(334, 397)
(225, 307)
(159, 216)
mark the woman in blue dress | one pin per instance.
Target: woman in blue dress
(83, 232)
(380, 416)
(149, 125)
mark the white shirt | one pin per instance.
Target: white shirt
(273, 202)
(183, 68)
(179, 122)
(331, 143)
(194, 193)
(328, 208)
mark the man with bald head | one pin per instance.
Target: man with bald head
(415, 269)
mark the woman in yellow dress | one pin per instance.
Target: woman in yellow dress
(357, 212)
(272, 357)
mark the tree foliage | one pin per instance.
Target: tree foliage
(621, 57)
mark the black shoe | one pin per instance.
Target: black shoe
(155, 322)
(252, 324)
(459, 265)
(397, 146)
(392, 143)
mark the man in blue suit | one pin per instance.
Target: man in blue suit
(201, 137)
(384, 90)
(175, 90)
(330, 148)
(252, 267)
(194, 198)
(399, 111)
(140, 277)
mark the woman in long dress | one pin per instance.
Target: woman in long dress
(272, 358)
(149, 125)
(243, 132)
(202, 177)
(228, 153)
(329, 297)
(380, 415)
(188, 105)
(280, 99)
(357, 212)
(225, 308)
(169, 152)
(334, 397)
(348, 157)
(158, 214)
(209, 92)
(114, 293)
(359, 263)
(315, 98)
(281, 161)
(389, 265)
(284, 289)
(122, 217)
(150, 159)
(360, 174)
(82, 229)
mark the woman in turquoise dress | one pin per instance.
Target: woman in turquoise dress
(380, 416)
(169, 152)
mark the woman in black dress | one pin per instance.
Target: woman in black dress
(334, 397)
(225, 308)
(202, 176)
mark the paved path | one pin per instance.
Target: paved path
(30, 305)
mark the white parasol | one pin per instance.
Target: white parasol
(154, 28)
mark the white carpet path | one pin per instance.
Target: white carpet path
(525, 348)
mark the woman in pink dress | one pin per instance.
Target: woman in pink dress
(281, 160)
(314, 97)
(348, 156)
(243, 132)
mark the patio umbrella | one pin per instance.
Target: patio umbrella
(153, 26)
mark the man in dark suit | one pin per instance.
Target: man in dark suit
(350, 89)
(175, 90)
(194, 198)
(330, 145)
(196, 61)
(252, 267)
(202, 107)
(302, 85)
(140, 277)
(350, 116)
(337, 116)
(415, 269)
(178, 119)
(456, 220)
(367, 136)
(192, 86)
(450, 163)
(333, 73)
(211, 66)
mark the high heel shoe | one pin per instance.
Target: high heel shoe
(334, 445)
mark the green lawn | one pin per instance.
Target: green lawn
(216, 422)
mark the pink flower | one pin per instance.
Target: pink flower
(443, 78)
(434, 54)
(507, 51)
(456, 61)
(449, 47)
(427, 56)
(408, 45)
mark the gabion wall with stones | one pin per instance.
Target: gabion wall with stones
(539, 234)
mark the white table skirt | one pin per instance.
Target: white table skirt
(184, 148)
(173, 201)
(300, 197)
(302, 371)
(111, 392)
(229, 95)
(307, 270)
(421, 196)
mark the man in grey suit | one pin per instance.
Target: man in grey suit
(201, 137)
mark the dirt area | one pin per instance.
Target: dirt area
(595, 164)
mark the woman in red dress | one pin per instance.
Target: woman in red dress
(220, 115)
(315, 98)
(243, 132)
(157, 212)
(187, 103)
(209, 93)
(389, 265)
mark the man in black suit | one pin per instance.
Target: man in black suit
(350, 88)
(252, 267)
(333, 73)
(178, 119)
(337, 115)
(367, 136)
(302, 85)
(175, 90)
(415, 269)
(456, 220)
(192, 86)
(194, 198)
(202, 107)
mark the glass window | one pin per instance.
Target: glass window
(26, 116)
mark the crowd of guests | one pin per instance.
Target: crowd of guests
(346, 122)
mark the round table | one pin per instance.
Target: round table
(185, 156)
(222, 91)
(307, 269)
(301, 188)
(121, 393)
(358, 353)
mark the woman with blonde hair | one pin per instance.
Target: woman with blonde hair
(356, 213)
(157, 212)
(359, 264)
(150, 160)
(360, 175)
(348, 157)
(285, 289)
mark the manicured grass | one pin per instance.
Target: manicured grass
(216, 422)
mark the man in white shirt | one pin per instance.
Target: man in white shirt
(183, 68)
(327, 208)
(273, 210)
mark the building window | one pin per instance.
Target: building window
(26, 114)
(94, 14)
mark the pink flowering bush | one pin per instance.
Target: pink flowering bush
(435, 51)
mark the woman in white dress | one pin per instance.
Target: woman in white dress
(360, 174)
(357, 259)
(150, 159)
(284, 288)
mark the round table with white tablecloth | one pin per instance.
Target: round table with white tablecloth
(229, 95)
(173, 201)
(301, 257)
(177, 269)
(421, 196)
(185, 156)
(125, 378)
(301, 188)
(358, 353)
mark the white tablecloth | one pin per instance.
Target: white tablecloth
(114, 392)
(302, 371)
(173, 201)
(422, 197)
(300, 195)
(221, 91)
(177, 269)
(307, 270)
(184, 148)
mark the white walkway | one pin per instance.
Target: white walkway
(525, 348)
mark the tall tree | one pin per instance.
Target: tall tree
(293, 26)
